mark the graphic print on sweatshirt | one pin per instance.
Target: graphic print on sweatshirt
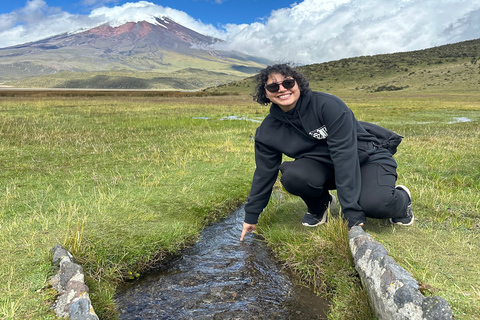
(320, 133)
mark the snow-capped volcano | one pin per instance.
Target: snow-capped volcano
(159, 44)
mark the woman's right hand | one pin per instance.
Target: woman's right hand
(247, 228)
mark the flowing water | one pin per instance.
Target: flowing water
(221, 278)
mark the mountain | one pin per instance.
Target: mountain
(126, 51)
(453, 67)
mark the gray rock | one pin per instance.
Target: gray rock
(393, 292)
(73, 300)
(59, 253)
(436, 308)
(81, 309)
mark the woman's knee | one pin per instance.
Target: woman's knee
(304, 177)
(300, 184)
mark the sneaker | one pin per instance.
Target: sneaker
(313, 220)
(408, 219)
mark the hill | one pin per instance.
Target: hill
(127, 56)
(448, 67)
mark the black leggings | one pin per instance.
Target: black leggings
(311, 180)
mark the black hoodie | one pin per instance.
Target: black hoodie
(319, 127)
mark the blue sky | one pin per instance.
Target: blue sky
(302, 32)
(208, 11)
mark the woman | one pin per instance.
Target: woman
(331, 150)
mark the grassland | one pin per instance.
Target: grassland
(125, 180)
(184, 79)
(438, 160)
(121, 182)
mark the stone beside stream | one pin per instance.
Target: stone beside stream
(393, 292)
(73, 301)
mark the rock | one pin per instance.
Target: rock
(81, 309)
(73, 300)
(436, 308)
(59, 254)
(393, 292)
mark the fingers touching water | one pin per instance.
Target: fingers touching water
(247, 228)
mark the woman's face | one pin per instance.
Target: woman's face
(286, 99)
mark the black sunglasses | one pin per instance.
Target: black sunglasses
(274, 87)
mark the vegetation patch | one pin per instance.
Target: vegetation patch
(388, 88)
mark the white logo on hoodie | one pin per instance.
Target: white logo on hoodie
(320, 133)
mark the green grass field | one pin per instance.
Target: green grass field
(125, 181)
(438, 160)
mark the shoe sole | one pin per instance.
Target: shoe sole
(324, 219)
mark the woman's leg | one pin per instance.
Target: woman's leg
(379, 198)
(310, 180)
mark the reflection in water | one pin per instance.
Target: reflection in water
(460, 119)
(221, 278)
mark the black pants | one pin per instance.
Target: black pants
(311, 180)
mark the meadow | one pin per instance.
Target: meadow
(438, 160)
(126, 181)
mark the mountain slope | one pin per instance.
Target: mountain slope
(162, 47)
(448, 67)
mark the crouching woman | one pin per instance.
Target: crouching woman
(331, 151)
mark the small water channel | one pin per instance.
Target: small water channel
(221, 278)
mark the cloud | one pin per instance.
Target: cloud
(307, 32)
(143, 10)
(468, 27)
(324, 30)
(36, 21)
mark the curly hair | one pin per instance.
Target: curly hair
(259, 94)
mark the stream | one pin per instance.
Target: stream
(220, 277)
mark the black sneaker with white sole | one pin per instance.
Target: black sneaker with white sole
(409, 218)
(313, 220)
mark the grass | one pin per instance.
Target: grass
(125, 181)
(184, 79)
(121, 183)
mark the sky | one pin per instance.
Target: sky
(299, 32)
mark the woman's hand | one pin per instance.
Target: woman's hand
(247, 228)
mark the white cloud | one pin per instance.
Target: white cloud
(307, 32)
(36, 21)
(324, 30)
(143, 10)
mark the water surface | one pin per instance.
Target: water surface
(221, 278)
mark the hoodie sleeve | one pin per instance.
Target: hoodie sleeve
(342, 145)
(267, 162)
